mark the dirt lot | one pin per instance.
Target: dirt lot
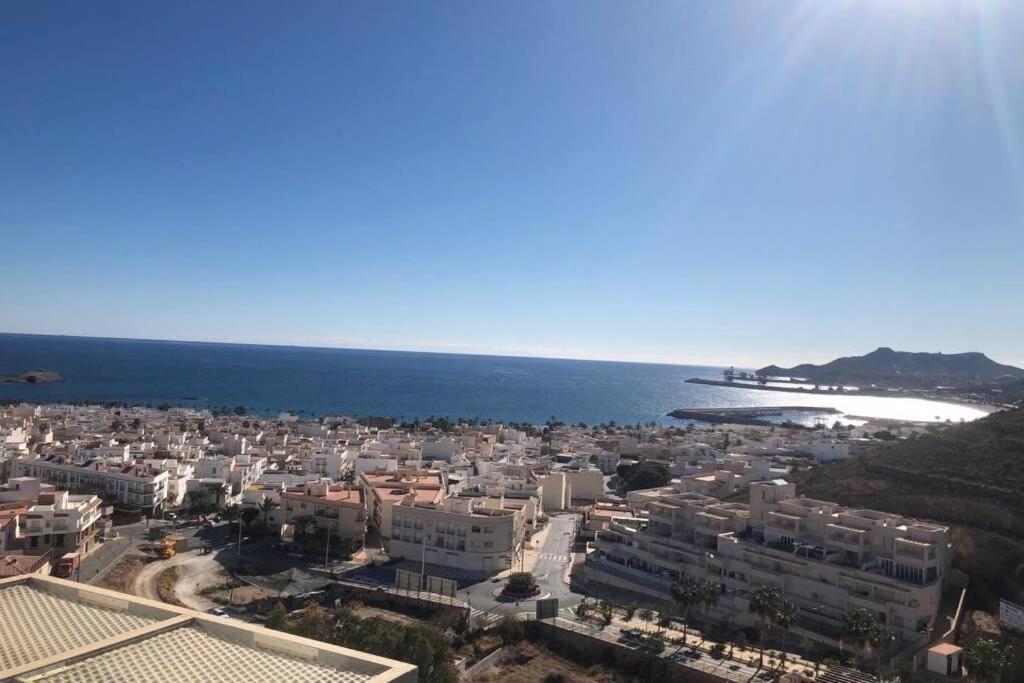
(387, 615)
(531, 663)
(120, 576)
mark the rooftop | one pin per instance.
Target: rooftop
(57, 630)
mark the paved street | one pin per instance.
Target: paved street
(552, 560)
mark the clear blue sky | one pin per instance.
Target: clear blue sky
(710, 182)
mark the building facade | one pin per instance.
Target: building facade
(826, 559)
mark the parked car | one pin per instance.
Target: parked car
(219, 612)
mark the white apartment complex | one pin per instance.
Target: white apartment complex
(51, 518)
(826, 559)
(458, 533)
(135, 486)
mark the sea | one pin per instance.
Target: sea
(315, 382)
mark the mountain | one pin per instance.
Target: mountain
(970, 476)
(885, 367)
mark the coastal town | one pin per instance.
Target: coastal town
(689, 548)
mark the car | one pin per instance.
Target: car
(219, 612)
(631, 633)
(237, 609)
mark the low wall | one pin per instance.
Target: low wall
(584, 648)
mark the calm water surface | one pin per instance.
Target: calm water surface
(269, 379)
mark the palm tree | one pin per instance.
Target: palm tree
(646, 616)
(248, 516)
(987, 659)
(302, 525)
(785, 616)
(864, 632)
(688, 593)
(266, 505)
(765, 604)
(665, 617)
(230, 513)
(708, 599)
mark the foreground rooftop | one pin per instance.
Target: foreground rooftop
(57, 630)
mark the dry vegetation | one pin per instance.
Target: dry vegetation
(165, 583)
(533, 663)
(120, 576)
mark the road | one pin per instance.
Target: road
(131, 536)
(549, 573)
(196, 571)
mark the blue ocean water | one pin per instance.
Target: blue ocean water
(404, 385)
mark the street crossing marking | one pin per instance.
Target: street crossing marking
(554, 556)
(484, 620)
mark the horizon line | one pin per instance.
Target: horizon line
(358, 348)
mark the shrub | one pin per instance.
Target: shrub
(520, 583)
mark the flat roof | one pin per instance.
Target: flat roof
(59, 630)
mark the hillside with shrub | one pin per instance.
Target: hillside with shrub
(969, 476)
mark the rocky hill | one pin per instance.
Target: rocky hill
(969, 476)
(885, 367)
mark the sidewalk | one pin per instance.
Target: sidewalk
(697, 641)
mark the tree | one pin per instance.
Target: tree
(665, 617)
(414, 643)
(302, 524)
(785, 616)
(646, 616)
(248, 516)
(689, 593)
(607, 611)
(646, 475)
(230, 513)
(520, 583)
(200, 502)
(766, 603)
(266, 505)
(987, 659)
(863, 631)
(278, 618)
(583, 609)
(629, 611)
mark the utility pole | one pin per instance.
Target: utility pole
(423, 560)
(327, 551)
(239, 522)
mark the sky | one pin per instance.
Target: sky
(694, 182)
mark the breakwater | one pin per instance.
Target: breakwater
(745, 416)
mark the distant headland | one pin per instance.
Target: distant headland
(33, 377)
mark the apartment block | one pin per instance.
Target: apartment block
(49, 518)
(135, 486)
(825, 558)
(383, 490)
(459, 533)
(337, 509)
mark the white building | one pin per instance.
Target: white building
(826, 559)
(459, 533)
(135, 486)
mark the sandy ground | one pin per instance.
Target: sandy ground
(530, 663)
(197, 571)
